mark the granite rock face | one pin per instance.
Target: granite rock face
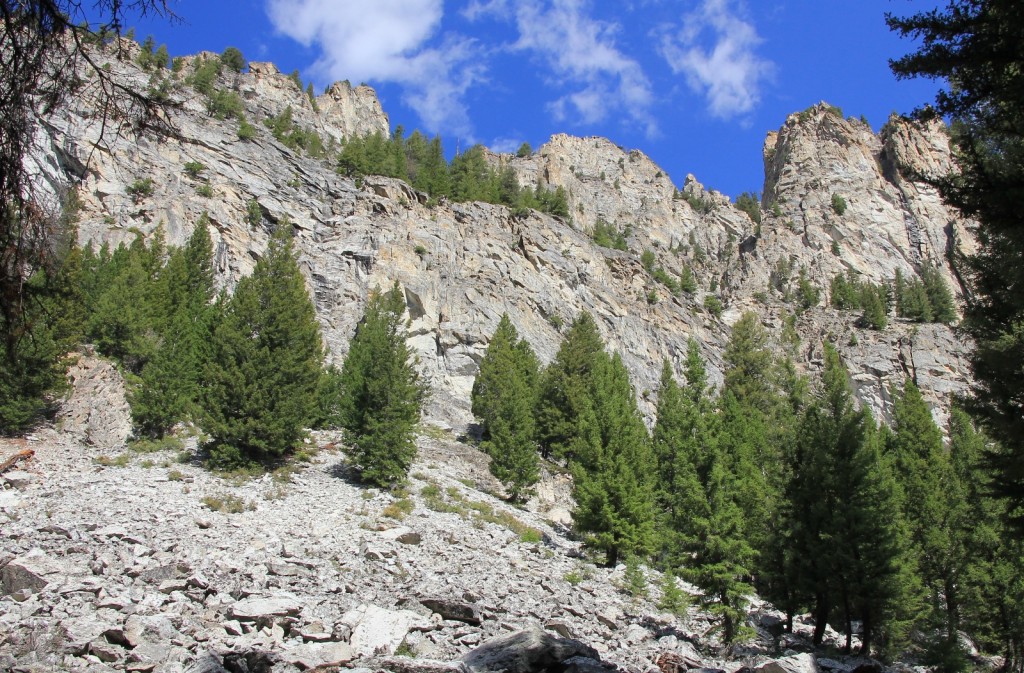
(462, 265)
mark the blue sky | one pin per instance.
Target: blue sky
(695, 84)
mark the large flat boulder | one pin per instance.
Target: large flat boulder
(376, 630)
(526, 652)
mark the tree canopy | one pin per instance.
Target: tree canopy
(974, 45)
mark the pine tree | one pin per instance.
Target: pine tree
(565, 399)
(682, 443)
(988, 596)
(124, 320)
(381, 393)
(849, 549)
(924, 473)
(266, 356)
(613, 470)
(873, 301)
(503, 398)
(757, 422)
(973, 46)
(38, 337)
(723, 560)
(169, 387)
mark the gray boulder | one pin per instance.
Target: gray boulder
(525, 652)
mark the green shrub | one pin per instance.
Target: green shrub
(106, 461)
(253, 213)
(149, 445)
(204, 75)
(673, 599)
(749, 203)
(635, 582)
(225, 105)
(140, 189)
(687, 282)
(667, 280)
(230, 504)
(205, 191)
(524, 150)
(399, 509)
(838, 204)
(246, 131)
(713, 305)
(647, 260)
(232, 59)
(194, 168)
(701, 204)
(531, 536)
(608, 236)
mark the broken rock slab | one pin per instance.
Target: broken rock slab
(526, 651)
(312, 655)
(376, 630)
(800, 663)
(251, 609)
(30, 573)
(454, 610)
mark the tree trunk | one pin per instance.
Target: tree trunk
(821, 612)
(865, 644)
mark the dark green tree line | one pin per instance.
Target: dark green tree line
(468, 177)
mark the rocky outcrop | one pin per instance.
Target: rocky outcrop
(462, 265)
(892, 220)
(96, 410)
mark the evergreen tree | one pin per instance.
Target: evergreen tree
(988, 594)
(913, 301)
(381, 394)
(169, 387)
(682, 443)
(503, 398)
(613, 471)
(974, 46)
(925, 477)
(39, 335)
(722, 559)
(849, 551)
(125, 318)
(565, 404)
(266, 356)
(939, 297)
(757, 422)
(873, 301)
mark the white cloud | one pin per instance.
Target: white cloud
(388, 41)
(580, 54)
(725, 68)
(505, 145)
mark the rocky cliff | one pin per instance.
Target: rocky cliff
(463, 264)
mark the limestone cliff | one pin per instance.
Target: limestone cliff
(463, 264)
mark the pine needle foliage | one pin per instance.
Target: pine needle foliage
(381, 393)
(266, 358)
(503, 398)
